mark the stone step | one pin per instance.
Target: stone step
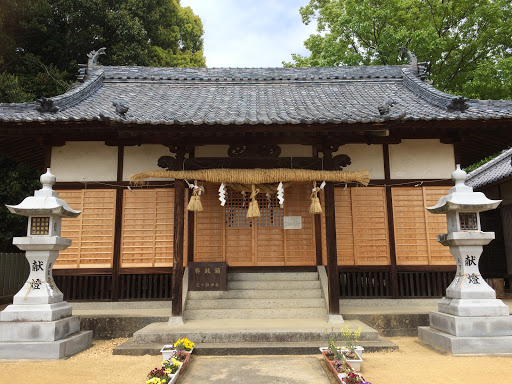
(255, 303)
(250, 348)
(273, 276)
(268, 313)
(266, 285)
(162, 333)
(256, 294)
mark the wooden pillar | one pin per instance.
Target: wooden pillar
(190, 232)
(116, 262)
(391, 223)
(179, 230)
(330, 231)
(179, 233)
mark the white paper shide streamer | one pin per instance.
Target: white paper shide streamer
(280, 194)
(223, 194)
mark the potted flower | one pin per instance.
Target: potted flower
(183, 345)
(354, 378)
(352, 352)
(172, 368)
(158, 376)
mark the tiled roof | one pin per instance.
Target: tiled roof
(495, 170)
(204, 96)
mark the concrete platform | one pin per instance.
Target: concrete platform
(249, 337)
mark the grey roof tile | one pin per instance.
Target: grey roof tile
(197, 96)
(495, 170)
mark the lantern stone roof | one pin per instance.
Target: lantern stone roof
(44, 202)
(493, 171)
(249, 96)
(462, 198)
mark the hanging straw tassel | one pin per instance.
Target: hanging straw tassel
(315, 208)
(195, 201)
(254, 210)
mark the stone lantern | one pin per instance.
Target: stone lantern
(39, 323)
(470, 320)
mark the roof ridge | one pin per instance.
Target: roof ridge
(432, 95)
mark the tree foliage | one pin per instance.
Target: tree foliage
(44, 40)
(18, 182)
(466, 44)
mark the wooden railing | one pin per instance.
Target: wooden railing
(378, 283)
(365, 284)
(14, 271)
(155, 286)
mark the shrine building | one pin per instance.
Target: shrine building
(374, 236)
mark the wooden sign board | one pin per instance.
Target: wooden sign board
(292, 222)
(206, 276)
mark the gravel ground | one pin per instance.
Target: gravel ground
(413, 363)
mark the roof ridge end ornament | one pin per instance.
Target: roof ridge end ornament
(95, 55)
(419, 69)
(46, 105)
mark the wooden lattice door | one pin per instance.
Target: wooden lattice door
(226, 234)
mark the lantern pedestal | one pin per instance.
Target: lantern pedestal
(39, 324)
(470, 320)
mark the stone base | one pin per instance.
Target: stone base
(444, 342)
(46, 349)
(38, 330)
(335, 319)
(175, 320)
(472, 326)
(36, 312)
(473, 307)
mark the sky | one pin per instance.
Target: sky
(251, 33)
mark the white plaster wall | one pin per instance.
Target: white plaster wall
(287, 150)
(84, 161)
(365, 156)
(421, 159)
(143, 158)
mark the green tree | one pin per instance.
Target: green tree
(466, 44)
(44, 40)
(18, 182)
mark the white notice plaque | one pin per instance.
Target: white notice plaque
(292, 222)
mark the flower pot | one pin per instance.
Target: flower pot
(168, 351)
(330, 364)
(173, 377)
(355, 363)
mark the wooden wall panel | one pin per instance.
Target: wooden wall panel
(344, 227)
(370, 228)
(148, 228)
(92, 232)
(436, 224)
(416, 229)
(410, 226)
(209, 227)
(238, 236)
(361, 226)
(299, 243)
